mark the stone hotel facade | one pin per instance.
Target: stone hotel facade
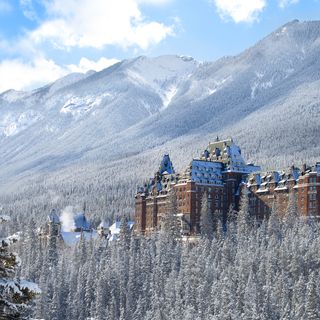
(222, 174)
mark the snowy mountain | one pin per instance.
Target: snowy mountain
(267, 98)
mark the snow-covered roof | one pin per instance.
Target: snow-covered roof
(219, 157)
(166, 166)
(206, 172)
(103, 224)
(81, 222)
(281, 188)
(229, 154)
(281, 179)
(162, 180)
(115, 228)
(4, 218)
(113, 237)
(72, 238)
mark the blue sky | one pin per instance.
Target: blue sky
(42, 40)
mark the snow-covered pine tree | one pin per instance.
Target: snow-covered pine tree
(125, 233)
(299, 298)
(52, 249)
(274, 223)
(206, 218)
(90, 286)
(15, 294)
(312, 299)
(243, 218)
(170, 225)
(290, 219)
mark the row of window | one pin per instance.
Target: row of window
(209, 189)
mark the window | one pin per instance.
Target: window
(312, 196)
(312, 204)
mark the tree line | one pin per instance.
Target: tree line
(249, 270)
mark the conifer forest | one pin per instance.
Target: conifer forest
(244, 269)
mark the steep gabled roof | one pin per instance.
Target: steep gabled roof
(81, 222)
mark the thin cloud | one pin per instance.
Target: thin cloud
(155, 2)
(19, 75)
(41, 71)
(72, 25)
(86, 65)
(28, 10)
(285, 3)
(240, 10)
(5, 6)
(117, 22)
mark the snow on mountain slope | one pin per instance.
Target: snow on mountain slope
(13, 123)
(13, 95)
(145, 105)
(121, 95)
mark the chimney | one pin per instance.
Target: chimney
(303, 169)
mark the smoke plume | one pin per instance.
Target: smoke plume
(67, 219)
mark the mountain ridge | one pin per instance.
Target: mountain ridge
(140, 105)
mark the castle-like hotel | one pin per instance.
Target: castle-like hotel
(223, 175)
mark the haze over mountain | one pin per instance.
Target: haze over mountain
(127, 115)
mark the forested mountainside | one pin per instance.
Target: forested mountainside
(93, 137)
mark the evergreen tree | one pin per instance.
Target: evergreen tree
(206, 219)
(312, 299)
(52, 249)
(298, 298)
(274, 223)
(15, 294)
(170, 224)
(290, 219)
(243, 218)
(125, 233)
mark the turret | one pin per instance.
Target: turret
(54, 223)
(166, 165)
(103, 229)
